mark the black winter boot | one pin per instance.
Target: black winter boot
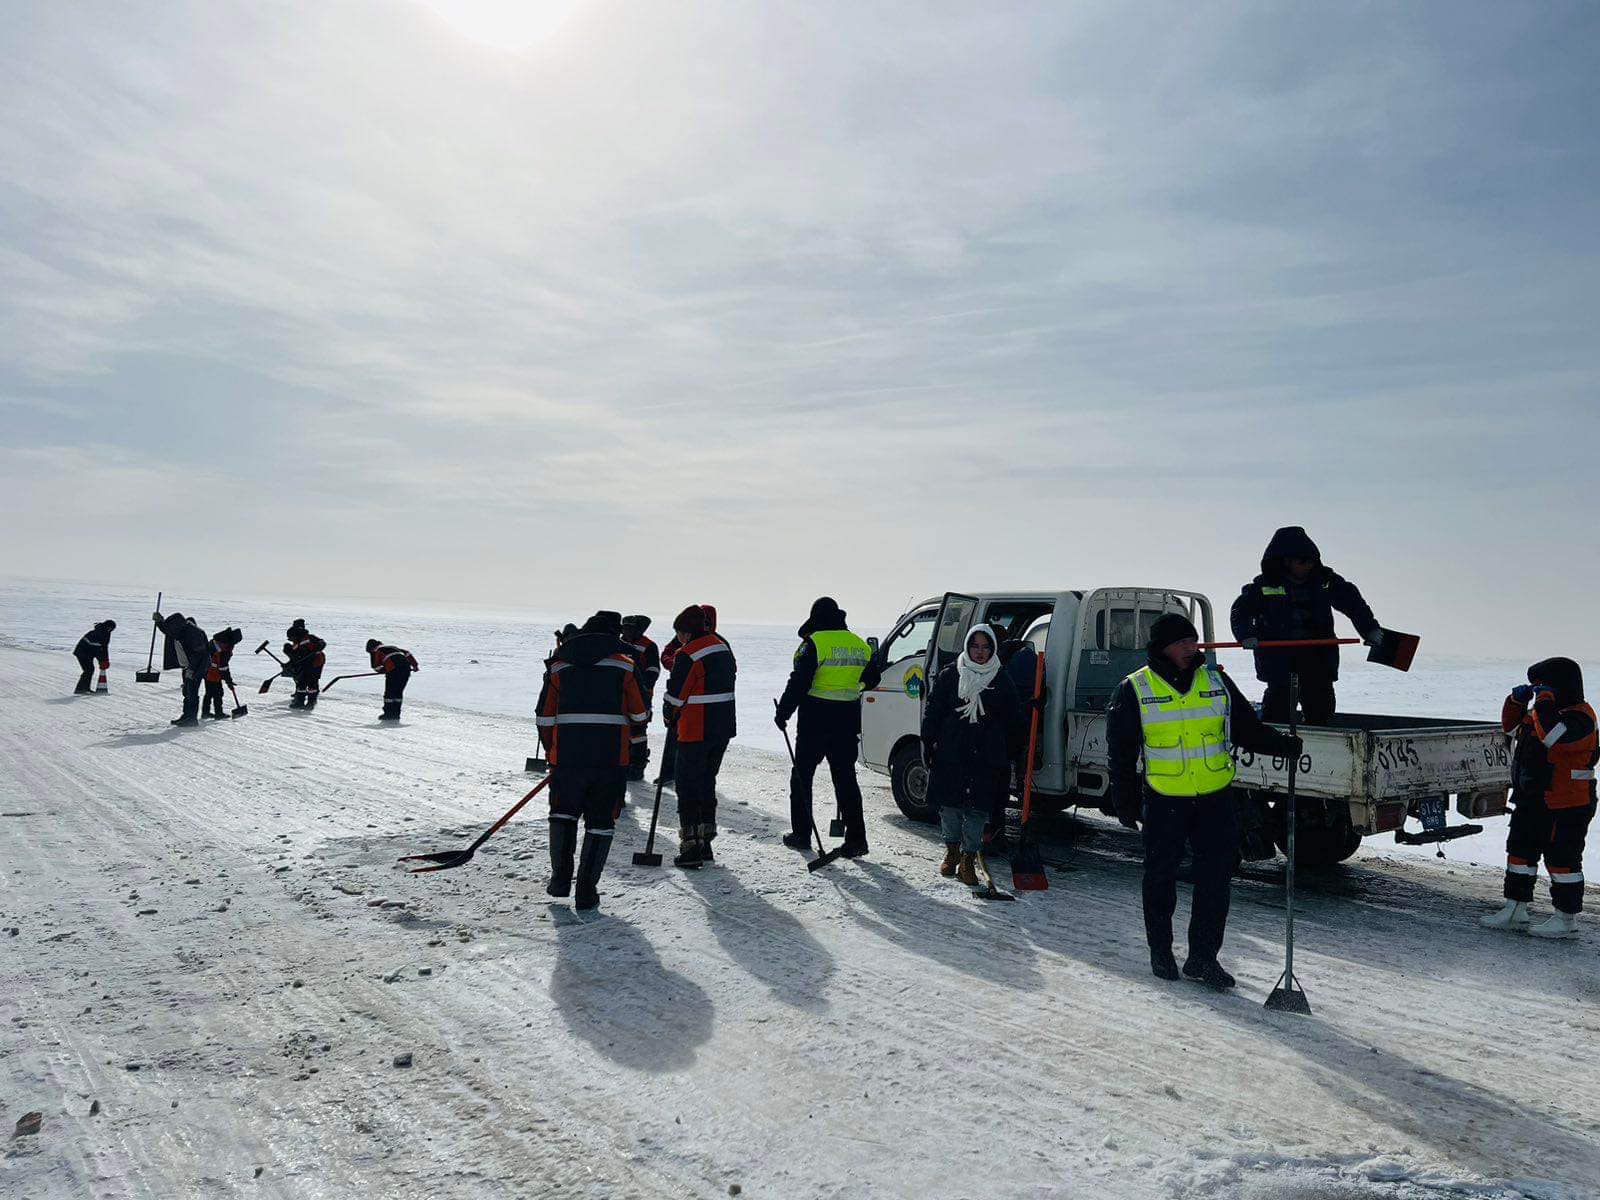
(391, 711)
(797, 841)
(311, 698)
(1163, 965)
(563, 841)
(299, 700)
(691, 851)
(596, 845)
(1209, 973)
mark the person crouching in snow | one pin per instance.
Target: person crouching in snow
(1552, 788)
(967, 731)
(396, 665)
(92, 646)
(219, 672)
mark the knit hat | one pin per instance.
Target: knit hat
(1169, 628)
(637, 623)
(690, 623)
(373, 644)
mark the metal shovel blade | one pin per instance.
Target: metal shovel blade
(147, 676)
(536, 766)
(1394, 649)
(641, 859)
(836, 827)
(443, 860)
(823, 860)
(242, 711)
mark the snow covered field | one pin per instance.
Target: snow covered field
(211, 962)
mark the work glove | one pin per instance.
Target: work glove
(1524, 692)
(156, 617)
(1128, 810)
(1249, 643)
(1293, 745)
(1373, 636)
(781, 721)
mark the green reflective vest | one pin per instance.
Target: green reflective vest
(841, 657)
(1186, 742)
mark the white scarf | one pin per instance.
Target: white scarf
(971, 678)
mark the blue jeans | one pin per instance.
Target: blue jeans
(964, 825)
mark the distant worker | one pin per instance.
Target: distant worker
(1294, 599)
(188, 648)
(1552, 788)
(669, 654)
(1185, 720)
(588, 710)
(92, 647)
(831, 668)
(306, 655)
(699, 709)
(647, 666)
(397, 666)
(218, 671)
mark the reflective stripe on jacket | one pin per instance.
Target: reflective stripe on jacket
(841, 658)
(1186, 742)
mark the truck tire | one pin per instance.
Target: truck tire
(1324, 839)
(908, 779)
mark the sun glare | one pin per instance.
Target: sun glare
(511, 25)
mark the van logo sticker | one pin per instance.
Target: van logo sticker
(913, 682)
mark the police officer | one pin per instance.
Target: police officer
(1553, 788)
(396, 665)
(1185, 720)
(589, 710)
(831, 669)
(92, 646)
(647, 664)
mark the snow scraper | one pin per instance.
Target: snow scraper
(1394, 649)
(1288, 995)
(445, 860)
(336, 678)
(1027, 866)
(648, 856)
(150, 674)
(239, 710)
(266, 684)
(824, 855)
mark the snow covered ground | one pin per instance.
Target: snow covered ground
(211, 961)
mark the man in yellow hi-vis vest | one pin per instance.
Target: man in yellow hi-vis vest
(1184, 719)
(831, 669)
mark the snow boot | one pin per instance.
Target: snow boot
(1209, 973)
(563, 840)
(299, 699)
(708, 834)
(1163, 965)
(854, 847)
(797, 841)
(636, 773)
(952, 856)
(1560, 925)
(187, 721)
(1514, 915)
(691, 852)
(596, 845)
(311, 698)
(391, 711)
(966, 869)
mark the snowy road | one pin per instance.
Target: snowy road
(214, 943)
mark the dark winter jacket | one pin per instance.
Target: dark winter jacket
(1555, 736)
(699, 703)
(1272, 608)
(305, 656)
(96, 644)
(390, 658)
(1021, 663)
(967, 761)
(221, 649)
(590, 704)
(187, 645)
(1125, 732)
(839, 717)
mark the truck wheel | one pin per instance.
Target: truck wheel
(908, 778)
(1321, 841)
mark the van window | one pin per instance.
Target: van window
(1125, 633)
(1010, 619)
(1036, 636)
(912, 638)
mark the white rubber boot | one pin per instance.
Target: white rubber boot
(1560, 925)
(1514, 915)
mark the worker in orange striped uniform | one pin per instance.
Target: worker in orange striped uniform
(219, 672)
(699, 710)
(1553, 790)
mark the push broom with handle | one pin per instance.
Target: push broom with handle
(445, 860)
(150, 674)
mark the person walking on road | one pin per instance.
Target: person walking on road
(699, 709)
(1184, 719)
(968, 727)
(187, 647)
(589, 708)
(397, 666)
(1553, 791)
(1294, 598)
(831, 668)
(92, 647)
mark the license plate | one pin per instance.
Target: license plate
(1431, 811)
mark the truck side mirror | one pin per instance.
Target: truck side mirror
(873, 643)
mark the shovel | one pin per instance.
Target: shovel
(648, 856)
(150, 674)
(446, 860)
(1394, 649)
(1027, 865)
(239, 710)
(836, 826)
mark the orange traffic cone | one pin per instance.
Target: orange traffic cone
(100, 688)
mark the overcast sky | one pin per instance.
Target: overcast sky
(635, 304)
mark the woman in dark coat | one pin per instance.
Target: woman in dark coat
(971, 717)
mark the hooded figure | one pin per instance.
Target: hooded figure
(188, 648)
(1293, 599)
(831, 668)
(92, 647)
(968, 726)
(1553, 789)
(1183, 719)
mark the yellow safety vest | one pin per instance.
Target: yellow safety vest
(1186, 737)
(841, 657)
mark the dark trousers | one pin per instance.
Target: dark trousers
(214, 697)
(307, 685)
(698, 764)
(193, 677)
(591, 793)
(838, 746)
(1317, 701)
(1209, 826)
(86, 680)
(1555, 834)
(394, 688)
(639, 752)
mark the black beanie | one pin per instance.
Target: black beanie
(373, 644)
(638, 624)
(690, 623)
(1169, 628)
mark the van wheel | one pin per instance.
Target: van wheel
(908, 778)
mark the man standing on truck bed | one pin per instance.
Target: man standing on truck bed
(1293, 599)
(1184, 719)
(831, 668)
